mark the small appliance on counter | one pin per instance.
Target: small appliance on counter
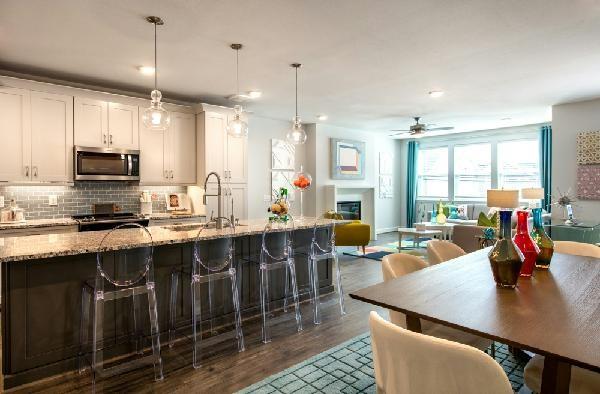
(146, 203)
(12, 214)
(106, 217)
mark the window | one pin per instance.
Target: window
(518, 164)
(432, 173)
(472, 171)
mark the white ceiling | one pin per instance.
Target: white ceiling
(368, 64)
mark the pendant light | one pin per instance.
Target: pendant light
(296, 135)
(156, 117)
(237, 127)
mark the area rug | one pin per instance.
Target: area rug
(348, 368)
(376, 252)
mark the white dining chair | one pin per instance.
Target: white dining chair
(440, 251)
(408, 362)
(396, 265)
(577, 248)
(583, 381)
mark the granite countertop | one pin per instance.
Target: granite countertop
(168, 215)
(54, 245)
(38, 223)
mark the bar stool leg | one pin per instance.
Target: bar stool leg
(98, 336)
(286, 289)
(137, 324)
(295, 293)
(314, 283)
(84, 326)
(236, 306)
(154, 332)
(173, 306)
(311, 291)
(196, 320)
(339, 283)
(211, 287)
(264, 303)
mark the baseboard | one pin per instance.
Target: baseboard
(386, 230)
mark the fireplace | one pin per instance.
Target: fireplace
(350, 210)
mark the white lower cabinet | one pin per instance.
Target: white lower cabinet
(169, 157)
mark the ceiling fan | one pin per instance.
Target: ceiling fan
(419, 129)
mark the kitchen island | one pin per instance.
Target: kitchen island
(43, 275)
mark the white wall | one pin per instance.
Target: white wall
(567, 121)
(261, 131)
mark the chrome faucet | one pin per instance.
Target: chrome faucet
(219, 221)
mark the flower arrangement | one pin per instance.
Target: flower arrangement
(280, 207)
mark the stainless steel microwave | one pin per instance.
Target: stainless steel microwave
(106, 164)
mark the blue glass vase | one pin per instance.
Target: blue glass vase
(543, 241)
(505, 258)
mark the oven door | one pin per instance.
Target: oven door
(106, 164)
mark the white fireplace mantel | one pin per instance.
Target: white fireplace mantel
(364, 194)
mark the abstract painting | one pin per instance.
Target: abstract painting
(282, 155)
(279, 179)
(385, 186)
(347, 159)
(588, 182)
(385, 163)
(588, 147)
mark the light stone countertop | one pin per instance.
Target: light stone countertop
(168, 215)
(68, 244)
(37, 223)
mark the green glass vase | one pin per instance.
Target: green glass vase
(505, 258)
(543, 241)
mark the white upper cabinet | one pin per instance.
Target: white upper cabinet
(183, 148)
(51, 137)
(105, 124)
(123, 130)
(169, 156)
(91, 122)
(15, 125)
(219, 152)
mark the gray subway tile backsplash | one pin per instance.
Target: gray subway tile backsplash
(78, 199)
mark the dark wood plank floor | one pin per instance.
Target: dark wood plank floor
(225, 370)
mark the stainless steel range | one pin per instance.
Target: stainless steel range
(107, 221)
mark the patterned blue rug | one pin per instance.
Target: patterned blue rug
(348, 368)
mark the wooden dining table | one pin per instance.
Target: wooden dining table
(555, 313)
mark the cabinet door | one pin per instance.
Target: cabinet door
(215, 147)
(154, 159)
(51, 137)
(90, 122)
(238, 194)
(183, 148)
(123, 129)
(236, 159)
(15, 126)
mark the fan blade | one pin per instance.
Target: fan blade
(405, 130)
(441, 128)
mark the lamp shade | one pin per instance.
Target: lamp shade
(532, 193)
(502, 198)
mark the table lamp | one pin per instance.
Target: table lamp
(505, 258)
(533, 195)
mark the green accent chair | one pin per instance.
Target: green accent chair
(355, 233)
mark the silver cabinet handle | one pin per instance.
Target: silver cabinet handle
(171, 174)
(27, 171)
(110, 140)
(167, 174)
(104, 138)
(35, 171)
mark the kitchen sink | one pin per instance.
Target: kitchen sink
(183, 227)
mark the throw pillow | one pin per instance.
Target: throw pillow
(453, 212)
(484, 221)
(462, 211)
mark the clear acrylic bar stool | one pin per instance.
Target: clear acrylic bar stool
(318, 253)
(210, 262)
(278, 236)
(120, 273)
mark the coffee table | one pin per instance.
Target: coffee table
(416, 235)
(447, 229)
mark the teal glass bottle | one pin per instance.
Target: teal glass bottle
(505, 258)
(543, 241)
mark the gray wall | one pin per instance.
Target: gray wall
(78, 199)
(567, 121)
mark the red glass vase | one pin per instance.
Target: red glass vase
(526, 244)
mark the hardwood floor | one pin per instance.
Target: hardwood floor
(224, 370)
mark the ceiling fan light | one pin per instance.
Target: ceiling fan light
(436, 94)
(254, 94)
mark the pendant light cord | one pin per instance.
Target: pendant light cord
(155, 65)
(237, 71)
(296, 92)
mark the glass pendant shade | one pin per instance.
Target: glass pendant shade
(296, 135)
(156, 117)
(505, 258)
(543, 241)
(525, 243)
(237, 127)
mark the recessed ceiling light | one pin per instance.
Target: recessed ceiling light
(436, 93)
(254, 94)
(146, 70)
(321, 117)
